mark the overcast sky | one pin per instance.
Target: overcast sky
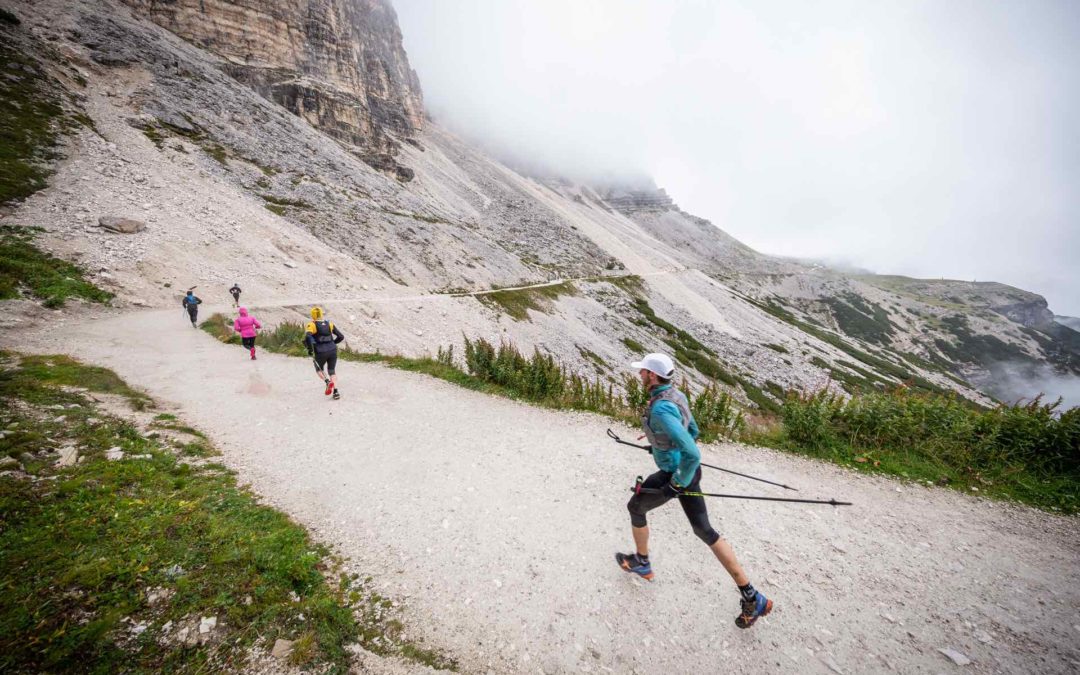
(937, 138)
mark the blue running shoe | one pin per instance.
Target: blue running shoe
(752, 609)
(630, 562)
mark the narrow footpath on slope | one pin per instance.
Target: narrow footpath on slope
(495, 523)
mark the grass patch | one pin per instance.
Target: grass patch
(218, 152)
(517, 303)
(860, 319)
(415, 216)
(633, 284)
(879, 364)
(685, 347)
(633, 345)
(31, 118)
(155, 136)
(1030, 453)
(24, 266)
(36, 378)
(82, 552)
(758, 397)
(594, 358)
(779, 349)
(282, 201)
(985, 350)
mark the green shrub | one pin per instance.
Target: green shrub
(1029, 452)
(23, 265)
(715, 412)
(633, 345)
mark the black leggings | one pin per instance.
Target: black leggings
(693, 507)
(329, 360)
(249, 343)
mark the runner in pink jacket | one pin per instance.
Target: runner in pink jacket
(247, 327)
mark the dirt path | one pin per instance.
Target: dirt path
(496, 523)
(396, 299)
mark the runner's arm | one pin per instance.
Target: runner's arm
(338, 336)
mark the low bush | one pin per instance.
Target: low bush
(1029, 452)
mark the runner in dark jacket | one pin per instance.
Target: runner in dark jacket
(191, 304)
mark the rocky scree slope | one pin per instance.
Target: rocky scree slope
(235, 187)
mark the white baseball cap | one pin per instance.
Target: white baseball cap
(661, 364)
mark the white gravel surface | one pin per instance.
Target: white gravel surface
(495, 523)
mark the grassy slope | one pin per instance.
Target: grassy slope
(29, 120)
(23, 266)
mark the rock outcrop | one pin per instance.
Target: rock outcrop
(339, 64)
(629, 202)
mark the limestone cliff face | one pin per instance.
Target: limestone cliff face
(632, 201)
(339, 64)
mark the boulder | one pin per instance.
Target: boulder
(281, 648)
(68, 456)
(121, 225)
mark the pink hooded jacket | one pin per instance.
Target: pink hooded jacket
(246, 325)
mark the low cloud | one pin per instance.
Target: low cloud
(934, 139)
(1024, 381)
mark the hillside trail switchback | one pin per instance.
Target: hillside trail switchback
(494, 522)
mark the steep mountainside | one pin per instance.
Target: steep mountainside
(248, 136)
(339, 64)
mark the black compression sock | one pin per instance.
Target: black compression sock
(748, 591)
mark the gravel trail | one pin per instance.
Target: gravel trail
(495, 522)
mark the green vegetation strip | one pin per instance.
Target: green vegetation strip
(860, 319)
(24, 266)
(517, 303)
(503, 370)
(1029, 453)
(878, 363)
(31, 118)
(105, 563)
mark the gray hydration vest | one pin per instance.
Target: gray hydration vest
(659, 439)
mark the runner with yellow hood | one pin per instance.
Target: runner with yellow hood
(321, 337)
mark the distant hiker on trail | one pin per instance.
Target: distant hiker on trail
(191, 304)
(321, 337)
(247, 326)
(672, 431)
(235, 292)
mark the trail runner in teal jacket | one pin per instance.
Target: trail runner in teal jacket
(672, 432)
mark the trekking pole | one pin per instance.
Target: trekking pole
(637, 489)
(711, 466)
